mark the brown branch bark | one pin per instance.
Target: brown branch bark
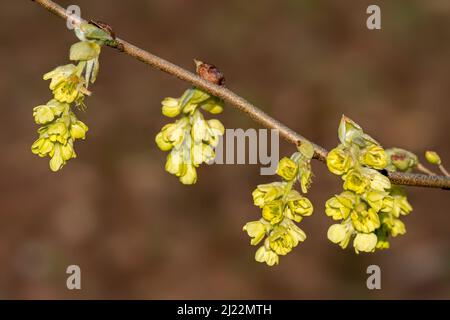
(409, 179)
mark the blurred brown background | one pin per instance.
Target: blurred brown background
(135, 231)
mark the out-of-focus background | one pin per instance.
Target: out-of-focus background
(135, 231)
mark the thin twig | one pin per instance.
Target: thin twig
(240, 103)
(444, 170)
(424, 169)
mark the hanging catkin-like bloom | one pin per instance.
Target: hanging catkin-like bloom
(60, 126)
(370, 207)
(191, 139)
(281, 206)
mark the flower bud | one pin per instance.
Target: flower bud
(78, 130)
(401, 160)
(163, 144)
(432, 157)
(213, 106)
(348, 130)
(171, 107)
(84, 51)
(307, 150)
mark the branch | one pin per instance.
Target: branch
(420, 180)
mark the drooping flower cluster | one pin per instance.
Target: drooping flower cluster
(369, 208)
(191, 139)
(60, 126)
(281, 206)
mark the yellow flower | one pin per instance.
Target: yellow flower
(281, 241)
(364, 219)
(67, 151)
(171, 107)
(340, 234)
(66, 83)
(273, 211)
(42, 147)
(57, 161)
(339, 161)
(78, 130)
(175, 163)
(266, 193)
(256, 230)
(432, 157)
(355, 181)
(213, 105)
(173, 134)
(216, 130)
(298, 206)
(266, 255)
(190, 175)
(374, 156)
(202, 153)
(43, 114)
(58, 131)
(375, 199)
(377, 181)
(199, 130)
(339, 206)
(297, 234)
(364, 242)
(396, 204)
(287, 169)
(398, 228)
(393, 225)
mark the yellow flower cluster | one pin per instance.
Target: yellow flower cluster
(191, 139)
(369, 208)
(68, 83)
(282, 206)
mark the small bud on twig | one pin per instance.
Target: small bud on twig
(209, 72)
